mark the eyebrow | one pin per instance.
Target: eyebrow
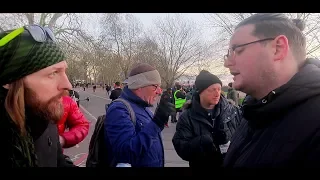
(59, 67)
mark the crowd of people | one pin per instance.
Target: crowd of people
(276, 126)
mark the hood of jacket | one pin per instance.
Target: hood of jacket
(304, 85)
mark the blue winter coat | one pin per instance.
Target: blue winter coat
(141, 146)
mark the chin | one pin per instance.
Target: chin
(214, 102)
(151, 103)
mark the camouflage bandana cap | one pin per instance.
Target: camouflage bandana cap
(23, 56)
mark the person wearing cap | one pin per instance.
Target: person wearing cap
(139, 145)
(33, 80)
(281, 114)
(205, 128)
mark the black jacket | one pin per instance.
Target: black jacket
(282, 129)
(46, 150)
(167, 96)
(195, 122)
(115, 93)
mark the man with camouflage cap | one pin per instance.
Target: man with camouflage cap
(32, 81)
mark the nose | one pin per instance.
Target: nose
(159, 91)
(65, 83)
(227, 63)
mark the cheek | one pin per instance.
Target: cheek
(247, 65)
(45, 91)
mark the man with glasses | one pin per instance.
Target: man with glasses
(33, 80)
(139, 145)
(281, 126)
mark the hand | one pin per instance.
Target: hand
(163, 111)
(62, 141)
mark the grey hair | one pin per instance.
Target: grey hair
(271, 25)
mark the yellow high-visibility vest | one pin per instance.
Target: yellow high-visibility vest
(178, 101)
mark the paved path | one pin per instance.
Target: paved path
(95, 108)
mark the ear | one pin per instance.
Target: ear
(7, 86)
(281, 47)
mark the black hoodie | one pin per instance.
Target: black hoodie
(282, 129)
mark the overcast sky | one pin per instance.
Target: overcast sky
(92, 21)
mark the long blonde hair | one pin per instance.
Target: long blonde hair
(15, 104)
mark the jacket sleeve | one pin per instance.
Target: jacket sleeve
(312, 160)
(78, 126)
(186, 145)
(127, 144)
(112, 95)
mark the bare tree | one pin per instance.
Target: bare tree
(147, 51)
(179, 46)
(224, 24)
(123, 30)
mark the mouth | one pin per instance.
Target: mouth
(234, 73)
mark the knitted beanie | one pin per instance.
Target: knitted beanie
(143, 75)
(206, 79)
(23, 56)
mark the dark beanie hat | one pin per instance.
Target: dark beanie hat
(206, 79)
(23, 56)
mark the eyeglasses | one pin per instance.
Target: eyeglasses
(156, 87)
(231, 51)
(38, 33)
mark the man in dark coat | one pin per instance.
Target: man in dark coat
(169, 97)
(116, 92)
(281, 126)
(204, 129)
(32, 83)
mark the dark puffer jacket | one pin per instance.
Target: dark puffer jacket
(196, 122)
(282, 129)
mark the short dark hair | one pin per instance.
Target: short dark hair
(230, 84)
(117, 83)
(178, 86)
(271, 25)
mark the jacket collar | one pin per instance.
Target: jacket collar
(129, 95)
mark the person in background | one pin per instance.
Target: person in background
(139, 145)
(205, 128)
(190, 93)
(75, 96)
(116, 92)
(179, 99)
(108, 89)
(168, 96)
(76, 124)
(94, 87)
(233, 94)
